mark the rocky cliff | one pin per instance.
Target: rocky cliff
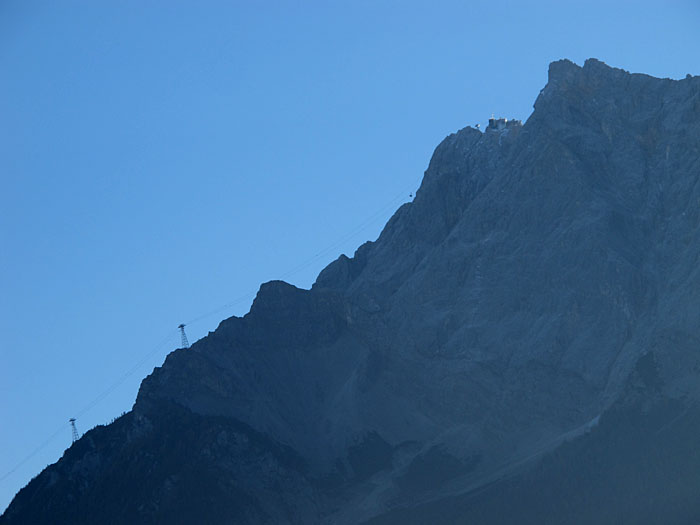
(520, 344)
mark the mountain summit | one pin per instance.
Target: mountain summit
(519, 345)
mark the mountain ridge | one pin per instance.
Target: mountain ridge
(503, 314)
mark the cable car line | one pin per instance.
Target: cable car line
(305, 264)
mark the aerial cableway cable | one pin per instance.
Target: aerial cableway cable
(369, 221)
(94, 402)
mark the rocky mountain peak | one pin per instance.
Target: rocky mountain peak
(536, 301)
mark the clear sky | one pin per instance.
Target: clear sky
(160, 159)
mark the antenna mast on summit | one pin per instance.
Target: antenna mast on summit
(75, 430)
(185, 342)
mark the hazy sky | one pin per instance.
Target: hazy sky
(160, 159)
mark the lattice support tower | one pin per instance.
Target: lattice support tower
(76, 436)
(185, 342)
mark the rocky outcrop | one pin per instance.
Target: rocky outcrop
(536, 304)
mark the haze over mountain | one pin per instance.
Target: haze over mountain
(520, 344)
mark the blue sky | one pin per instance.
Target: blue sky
(161, 159)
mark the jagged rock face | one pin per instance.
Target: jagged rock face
(544, 275)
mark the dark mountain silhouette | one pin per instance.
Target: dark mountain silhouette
(520, 345)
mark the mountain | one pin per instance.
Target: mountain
(521, 344)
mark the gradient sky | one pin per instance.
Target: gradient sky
(160, 159)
